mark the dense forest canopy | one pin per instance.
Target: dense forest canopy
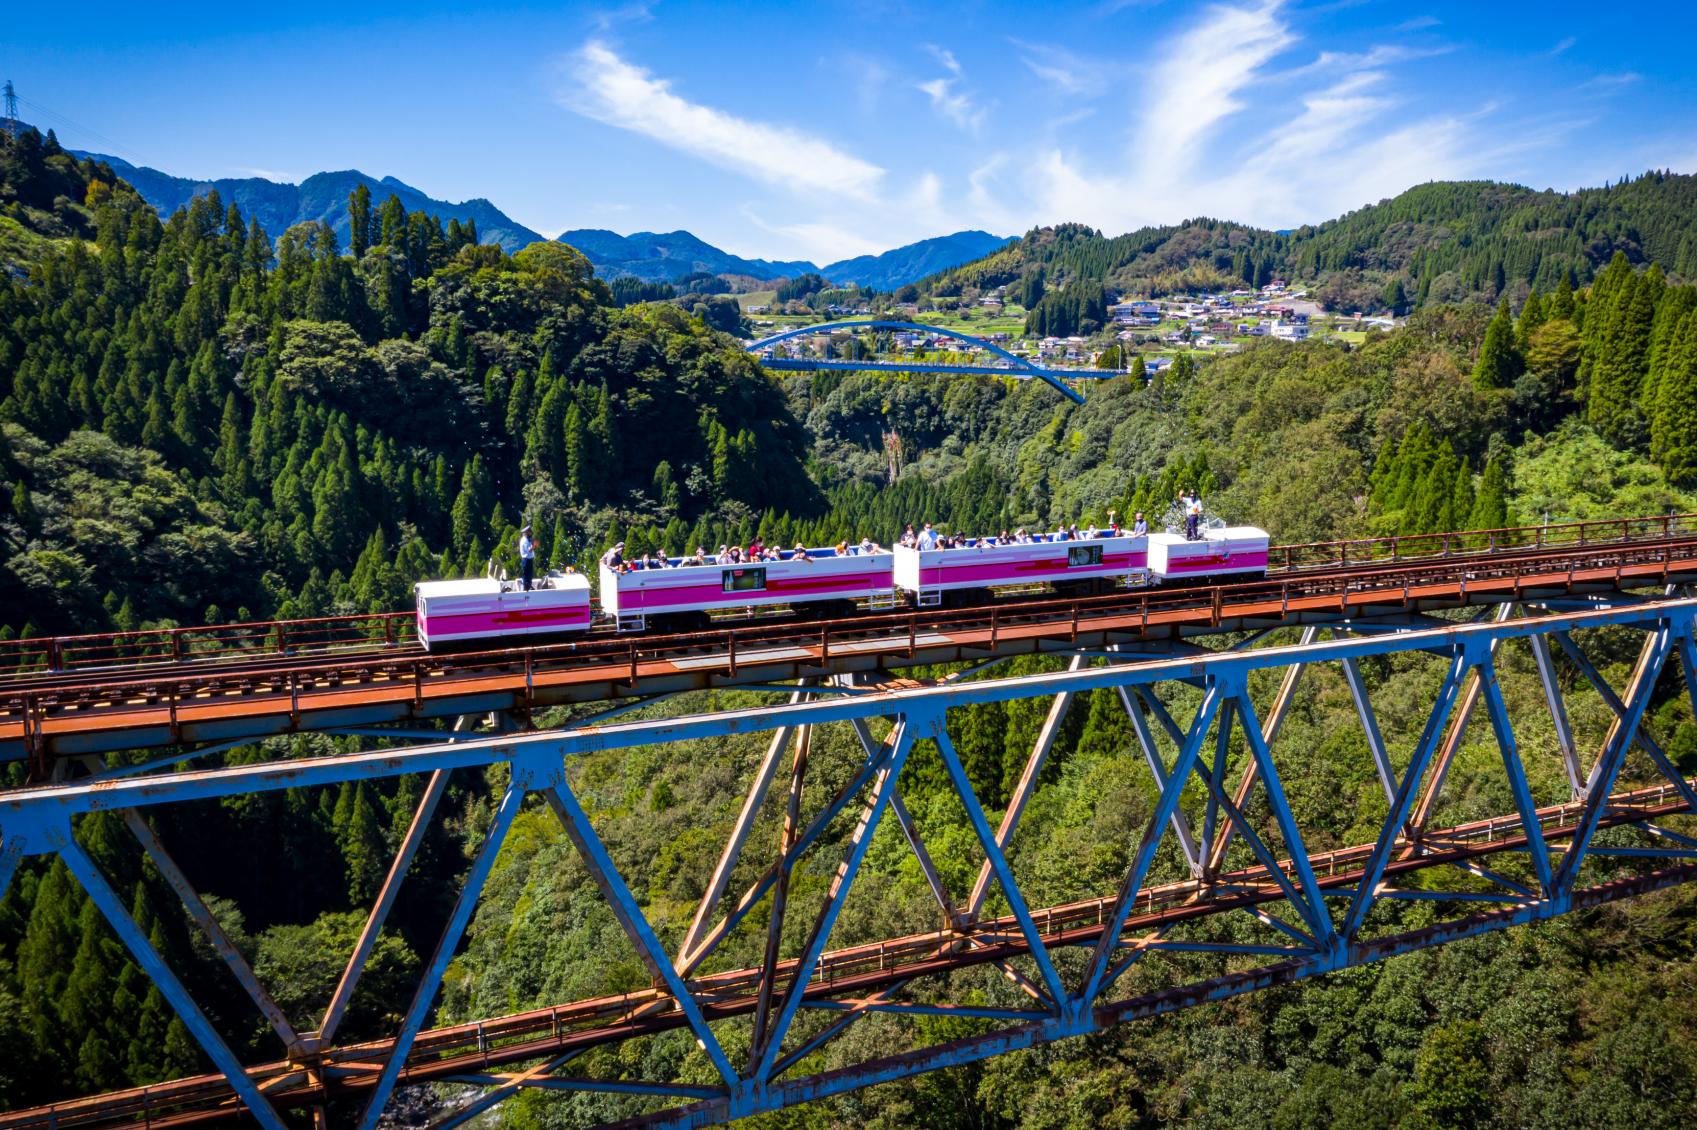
(1435, 243)
(201, 420)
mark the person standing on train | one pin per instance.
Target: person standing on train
(927, 538)
(614, 558)
(1192, 516)
(527, 558)
(1139, 526)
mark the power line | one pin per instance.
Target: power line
(65, 119)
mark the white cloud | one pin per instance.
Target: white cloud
(822, 241)
(1562, 46)
(621, 94)
(1200, 81)
(952, 103)
(1418, 23)
(1226, 135)
(1611, 80)
(267, 174)
(1069, 73)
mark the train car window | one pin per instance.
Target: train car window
(745, 580)
(1084, 555)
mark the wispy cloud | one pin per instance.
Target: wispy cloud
(1419, 23)
(1200, 80)
(1562, 46)
(1068, 72)
(616, 92)
(946, 97)
(267, 174)
(605, 19)
(1211, 144)
(1611, 80)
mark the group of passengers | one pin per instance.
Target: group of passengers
(928, 538)
(925, 538)
(756, 552)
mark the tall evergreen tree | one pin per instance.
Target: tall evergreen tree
(1499, 363)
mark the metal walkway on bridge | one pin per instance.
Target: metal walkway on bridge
(1213, 850)
(92, 704)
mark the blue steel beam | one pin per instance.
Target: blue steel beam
(112, 908)
(523, 776)
(25, 807)
(1523, 803)
(1397, 817)
(999, 863)
(612, 885)
(1657, 645)
(1152, 834)
(351, 973)
(25, 816)
(898, 745)
(1320, 919)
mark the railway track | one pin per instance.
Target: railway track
(87, 711)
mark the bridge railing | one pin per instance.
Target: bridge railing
(1410, 547)
(624, 659)
(247, 640)
(330, 635)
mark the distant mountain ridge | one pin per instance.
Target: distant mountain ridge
(649, 256)
(322, 196)
(908, 264)
(669, 256)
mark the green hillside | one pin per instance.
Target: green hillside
(198, 425)
(1439, 242)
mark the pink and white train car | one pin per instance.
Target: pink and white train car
(681, 598)
(926, 574)
(1232, 553)
(482, 608)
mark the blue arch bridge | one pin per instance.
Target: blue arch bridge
(1003, 363)
(1221, 892)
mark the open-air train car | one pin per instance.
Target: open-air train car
(929, 575)
(681, 598)
(483, 608)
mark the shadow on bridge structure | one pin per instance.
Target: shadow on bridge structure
(1227, 888)
(1006, 363)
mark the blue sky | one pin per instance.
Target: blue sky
(822, 131)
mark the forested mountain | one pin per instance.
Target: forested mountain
(418, 394)
(1439, 242)
(668, 257)
(902, 265)
(200, 421)
(322, 197)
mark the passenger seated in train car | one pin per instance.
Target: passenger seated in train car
(757, 548)
(724, 557)
(799, 553)
(867, 545)
(1091, 531)
(908, 537)
(699, 557)
(841, 549)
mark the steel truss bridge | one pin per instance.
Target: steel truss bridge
(1226, 890)
(1006, 363)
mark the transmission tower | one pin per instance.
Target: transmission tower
(11, 122)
